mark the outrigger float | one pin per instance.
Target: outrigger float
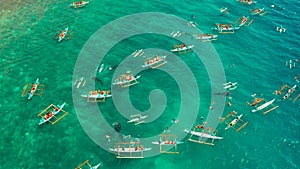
(181, 48)
(226, 28)
(78, 4)
(167, 140)
(259, 11)
(206, 37)
(203, 135)
(35, 89)
(51, 112)
(129, 150)
(88, 164)
(235, 121)
(137, 119)
(97, 96)
(126, 80)
(247, 2)
(155, 62)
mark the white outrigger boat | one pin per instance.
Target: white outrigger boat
(126, 80)
(290, 63)
(257, 11)
(101, 68)
(243, 20)
(97, 96)
(263, 106)
(155, 62)
(176, 34)
(33, 89)
(224, 10)
(230, 85)
(225, 28)
(138, 53)
(280, 29)
(206, 37)
(169, 141)
(202, 134)
(247, 2)
(87, 163)
(289, 92)
(63, 34)
(234, 121)
(78, 4)
(50, 114)
(180, 48)
(137, 119)
(132, 150)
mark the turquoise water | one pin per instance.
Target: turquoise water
(258, 52)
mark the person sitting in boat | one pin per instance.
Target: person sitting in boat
(176, 46)
(277, 92)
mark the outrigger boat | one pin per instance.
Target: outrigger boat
(192, 24)
(63, 34)
(182, 47)
(291, 64)
(263, 106)
(243, 20)
(137, 119)
(101, 68)
(46, 115)
(79, 4)
(176, 34)
(33, 90)
(247, 2)
(235, 121)
(230, 85)
(224, 10)
(155, 62)
(280, 29)
(225, 28)
(203, 134)
(87, 163)
(97, 96)
(126, 80)
(129, 150)
(257, 11)
(138, 53)
(164, 141)
(79, 83)
(206, 37)
(289, 92)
